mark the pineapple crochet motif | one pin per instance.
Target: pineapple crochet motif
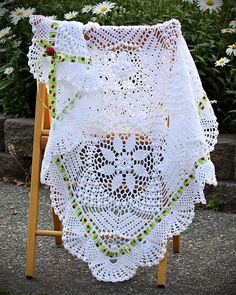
(128, 153)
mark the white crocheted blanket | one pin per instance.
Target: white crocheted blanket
(128, 153)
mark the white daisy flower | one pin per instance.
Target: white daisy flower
(20, 13)
(222, 62)
(87, 8)
(93, 19)
(211, 5)
(30, 11)
(2, 11)
(8, 70)
(213, 101)
(103, 8)
(4, 32)
(16, 44)
(70, 15)
(189, 1)
(232, 24)
(51, 17)
(231, 49)
(228, 30)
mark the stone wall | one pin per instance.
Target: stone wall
(19, 133)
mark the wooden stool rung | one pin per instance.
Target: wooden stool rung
(48, 233)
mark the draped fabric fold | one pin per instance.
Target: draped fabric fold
(128, 153)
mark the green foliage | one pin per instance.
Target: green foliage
(201, 29)
(215, 204)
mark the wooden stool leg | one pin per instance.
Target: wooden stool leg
(35, 186)
(57, 227)
(176, 244)
(161, 275)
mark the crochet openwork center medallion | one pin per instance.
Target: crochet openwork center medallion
(128, 153)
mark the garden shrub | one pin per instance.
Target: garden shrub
(201, 29)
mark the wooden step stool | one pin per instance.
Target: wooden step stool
(41, 132)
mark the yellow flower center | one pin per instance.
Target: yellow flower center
(222, 61)
(210, 2)
(234, 46)
(104, 9)
(19, 13)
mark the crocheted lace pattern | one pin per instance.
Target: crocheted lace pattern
(128, 153)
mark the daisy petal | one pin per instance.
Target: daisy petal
(116, 182)
(130, 143)
(4, 32)
(130, 181)
(87, 8)
(140, 170)
(108, 154)
(70, 15)
(107, 169)
(9, 70)
(140, 155)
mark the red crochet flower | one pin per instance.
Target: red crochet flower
(50, 51)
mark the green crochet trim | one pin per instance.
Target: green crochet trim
(52, 85)
(201, 105)
(67, 107)
(55, 58)
(86, 221)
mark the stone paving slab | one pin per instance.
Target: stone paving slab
(205, 265)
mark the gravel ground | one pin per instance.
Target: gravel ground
(205, 265)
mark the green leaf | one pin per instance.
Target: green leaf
(5, 83)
